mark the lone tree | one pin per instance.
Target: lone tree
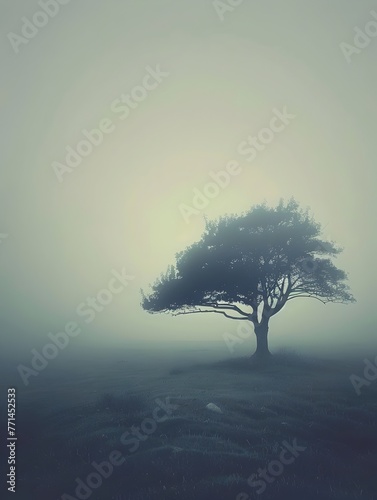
(248, 267)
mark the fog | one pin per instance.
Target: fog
(220, 78)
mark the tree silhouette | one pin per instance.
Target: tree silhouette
(247, 267)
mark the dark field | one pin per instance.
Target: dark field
(70, 418)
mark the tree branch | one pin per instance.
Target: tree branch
(226, 306)
(218, 312)
(307, 296)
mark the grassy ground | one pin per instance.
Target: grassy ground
(195, 453)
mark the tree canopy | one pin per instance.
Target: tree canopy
(264, 257)
(249, 266)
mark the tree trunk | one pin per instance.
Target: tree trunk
(261, 332)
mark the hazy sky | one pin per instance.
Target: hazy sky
(221, 81)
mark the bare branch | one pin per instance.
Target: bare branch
(307, 296)
(226, 306)
(218, 312)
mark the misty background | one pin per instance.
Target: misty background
(119, 209)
